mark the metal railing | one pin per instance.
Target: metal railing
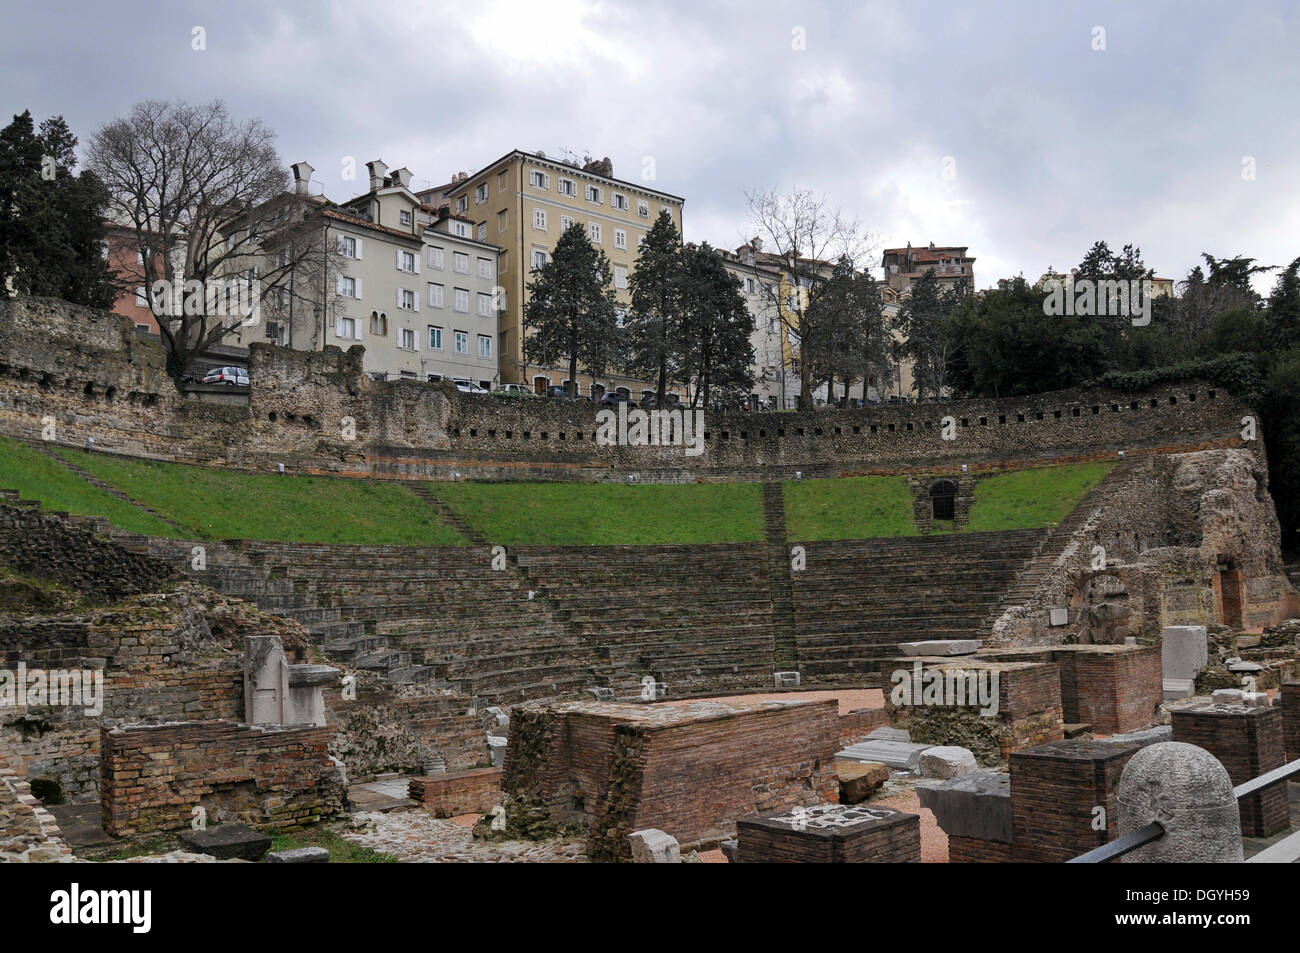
(1155, 830)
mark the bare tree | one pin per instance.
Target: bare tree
(216, 229)
(807, 237)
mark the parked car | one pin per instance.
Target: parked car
(555, 390)
(612, 398)
(514, 390)
(671, 402)
(230, 376)
(466, 386)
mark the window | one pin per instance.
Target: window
(406, 339)
(485, 268)
(503, 179)
(593, 194)
(539, 219)
(566, 222)
(435, 257)
(620, 276)
(349, 287)
(568, 187)
(620, 238)
(539, 258)
(435, 338)
(142, 299)
(480, 193)
(643, 208)
(347, 328)
(462, 300)
(504, 260)
(462, 203)
(593, 229)
(378, 323)
(482, 231)
(406, 261)
(538, 179)
(460, 263)
(619, 201)
(406, 299)
(460, 228)
(484, 305)
(435, 295)
(749, 285)
(484, 346)
(503, 220)
(405, 216)
(349, 247)
(462, 342)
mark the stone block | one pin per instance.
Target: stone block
(894, 754)
(731, 850)
(299, 855)
(947, 761)
(653, 846)
(939, 647)
(831, 833)
(860, 779)
(1059, 616)
(787, 679)
(228, 841)
(1184, 651)
(1176, 688)
(1189, 792)
(976, 805)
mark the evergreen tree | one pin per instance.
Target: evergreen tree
(654, 325)
(571, 312)
(51, 220)
(714, 347)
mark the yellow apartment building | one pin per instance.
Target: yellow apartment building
(523, 202)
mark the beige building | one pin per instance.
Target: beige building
(759, 282)
(951, 264)
(523, 202)
(408, 281)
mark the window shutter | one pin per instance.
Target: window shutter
(399, 297)
(338, 284)
(415, 298)
(358, 289)
(340, 238)
(399, 259)
(358, 258)
(415, 258)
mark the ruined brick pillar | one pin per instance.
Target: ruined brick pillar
(1249, 742)
(1290, 699)
(1056, 790)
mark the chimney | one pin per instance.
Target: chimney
(301, 177)
(757, 243)
(402, 177)
(377, 169)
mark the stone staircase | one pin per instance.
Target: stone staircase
(785, 645)
(857, 599)
(1042, 563)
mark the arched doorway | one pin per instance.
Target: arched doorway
(943, 500)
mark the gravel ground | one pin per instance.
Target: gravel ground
(415, 837)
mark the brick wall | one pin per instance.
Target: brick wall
(28, 832)
(153, 776)
(977, 850)
(156, 661)
(1290, 698)
(691, 770)
(1114, 688)
(44, 544)
(1249, 742)
(1054, 790)
(458, 792)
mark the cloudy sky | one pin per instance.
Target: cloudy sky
(1002, 126)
